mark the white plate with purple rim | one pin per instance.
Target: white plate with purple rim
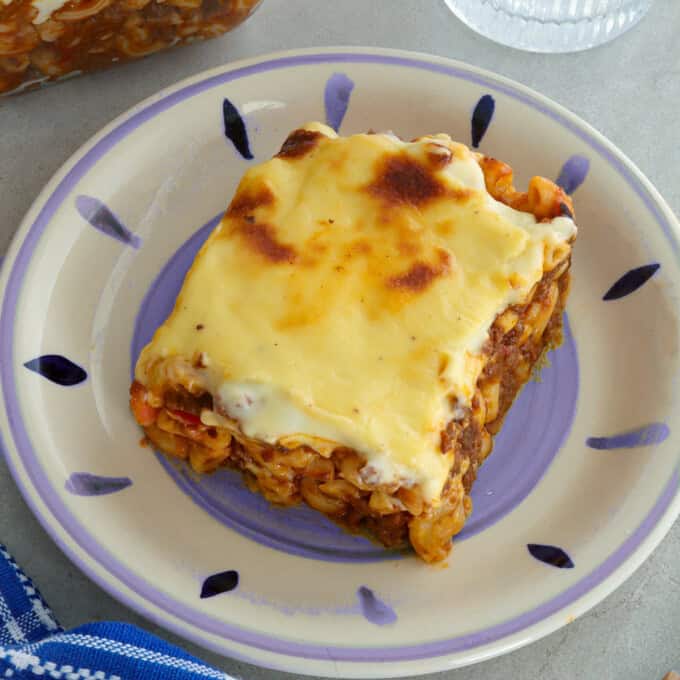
(583, 482)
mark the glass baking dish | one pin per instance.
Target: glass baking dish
(43, 41)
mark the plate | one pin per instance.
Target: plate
(583, 483)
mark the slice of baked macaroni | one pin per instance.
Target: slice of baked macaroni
(354, 331)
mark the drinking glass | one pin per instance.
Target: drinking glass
(550, 25)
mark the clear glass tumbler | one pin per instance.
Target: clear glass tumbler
(550, 25)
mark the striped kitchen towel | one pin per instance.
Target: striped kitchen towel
(32, 643)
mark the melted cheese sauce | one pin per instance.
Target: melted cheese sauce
(46, 8)
(347, 292)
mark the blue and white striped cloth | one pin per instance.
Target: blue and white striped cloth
(32, 643)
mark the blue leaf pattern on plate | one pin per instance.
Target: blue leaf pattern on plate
(481, 118)
(565, 211)
(573, 173)
(219, 583)
(103, 219)
(336, 98)
(375, 610)
(631, 281)
(651, 434)
(235, 129)
(86, 484)
(58, 369)
(551, 554)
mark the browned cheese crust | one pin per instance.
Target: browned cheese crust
(332, 482)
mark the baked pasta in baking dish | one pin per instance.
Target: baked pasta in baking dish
(353, 332)
(47, 40)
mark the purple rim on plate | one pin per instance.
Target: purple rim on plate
(144, 590)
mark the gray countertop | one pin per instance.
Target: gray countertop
(629, 90)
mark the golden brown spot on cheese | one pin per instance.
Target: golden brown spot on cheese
(445, 228)
(421, 274)
(317, 246)
(248, 200)
(417, 278)
(261, 238)
(438, 156)
(299, 143)
(300, 312)
(461, 195)
(358, 247)
(408, 247)
(402, 179)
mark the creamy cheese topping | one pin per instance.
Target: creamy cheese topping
(347, 293)
(46, 8)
